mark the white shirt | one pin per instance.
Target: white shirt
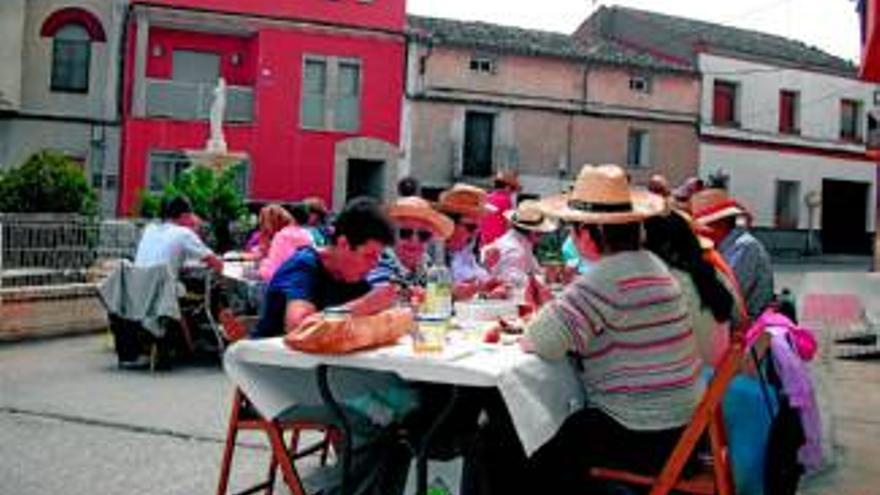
(517, 260)
(465, 267)
(168, 243)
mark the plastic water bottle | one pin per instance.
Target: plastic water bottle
(438, 298)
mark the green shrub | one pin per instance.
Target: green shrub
(48, 182)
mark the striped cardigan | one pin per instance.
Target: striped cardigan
(628, 320)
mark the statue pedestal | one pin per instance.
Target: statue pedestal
(215, 160)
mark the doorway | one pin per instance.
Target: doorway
(365, 178)
(479, 130)
(845, 217)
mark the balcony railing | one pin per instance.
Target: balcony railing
(192, 101)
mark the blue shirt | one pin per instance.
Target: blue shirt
(751, 264)
(303, 277)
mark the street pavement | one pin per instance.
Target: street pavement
(71, 422)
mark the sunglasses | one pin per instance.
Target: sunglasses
(406, 234)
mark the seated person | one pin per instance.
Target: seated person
(516, 263)
(280, 237)
(335, 276)
(174, 240)
(417, 225)
(710, 300)
(628, 322)
(271, 220)
(466, 206)
(316, 278)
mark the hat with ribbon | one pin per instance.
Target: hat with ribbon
(602, 195)
(529, 216)
(710, 205)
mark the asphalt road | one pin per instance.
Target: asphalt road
(70, 422)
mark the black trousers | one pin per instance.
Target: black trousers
(591, 438)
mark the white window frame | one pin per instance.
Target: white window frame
(640, 83)
(483, 64)
(331, 86)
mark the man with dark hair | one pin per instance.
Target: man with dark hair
(316, 278)
(336, 275)
(408, 186)
(174, 240)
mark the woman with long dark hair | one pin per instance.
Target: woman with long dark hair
(710, 295)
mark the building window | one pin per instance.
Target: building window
(640, 84)
(71, 58)
(789, 112)
(331, 94)
(348, 100)
(479, 141)
(482, 65)
(850, 120)
(164, 167)
(724, 103)
(787, 204)
(638, 150)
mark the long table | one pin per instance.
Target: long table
(538, 394)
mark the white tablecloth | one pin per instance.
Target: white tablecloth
(539, 394)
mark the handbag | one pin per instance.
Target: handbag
(344, 333)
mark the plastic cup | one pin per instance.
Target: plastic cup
(431, 335)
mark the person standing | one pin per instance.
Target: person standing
(501, 199)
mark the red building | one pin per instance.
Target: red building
(315, 91)
(869, 10)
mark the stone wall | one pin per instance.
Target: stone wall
(27, 312)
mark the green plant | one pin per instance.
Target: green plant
(215, 196)
(48, 182)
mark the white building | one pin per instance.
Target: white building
(792, 142)
(59, 85)
(786, 122)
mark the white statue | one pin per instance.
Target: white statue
(217, 142)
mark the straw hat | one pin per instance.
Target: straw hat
(602, 195)
(418, 208)
(528, 216)
(508, 178)
(711, 205)
(464, 199)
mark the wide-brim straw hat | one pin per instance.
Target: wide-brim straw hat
(420, 209)
(711, 205)
(464, 199)
(529, 216)
(602, 195)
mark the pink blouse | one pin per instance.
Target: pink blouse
(286, 242)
